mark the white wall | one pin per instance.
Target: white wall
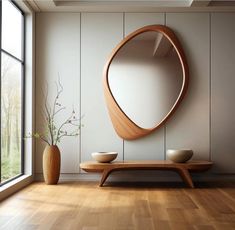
(99, 34)
(58, 52)
(77, 46)
(190, 127)
(223, 91)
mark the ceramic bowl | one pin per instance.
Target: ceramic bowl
(179, 155)
(104, 157)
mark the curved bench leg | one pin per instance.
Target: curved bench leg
(104, 177)
(185, 175)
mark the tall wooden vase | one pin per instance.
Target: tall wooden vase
(51, 164)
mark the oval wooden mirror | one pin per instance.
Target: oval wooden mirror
(145, 79)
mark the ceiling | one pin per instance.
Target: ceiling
(130, 5)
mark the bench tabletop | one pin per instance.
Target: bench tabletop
(146, 164)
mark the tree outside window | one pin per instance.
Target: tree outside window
(12, 82)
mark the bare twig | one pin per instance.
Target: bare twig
(53, 134)
(48, 116)
(59, 110)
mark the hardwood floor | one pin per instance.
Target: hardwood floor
(85, 206)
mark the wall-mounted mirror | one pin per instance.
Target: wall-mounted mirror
(145, 79)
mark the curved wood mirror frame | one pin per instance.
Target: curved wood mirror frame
(123, 125)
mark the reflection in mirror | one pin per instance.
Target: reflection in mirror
(146, 78)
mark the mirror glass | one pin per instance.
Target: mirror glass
(145, 78)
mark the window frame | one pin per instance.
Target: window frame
(22, 62)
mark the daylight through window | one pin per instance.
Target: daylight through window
(12, 85)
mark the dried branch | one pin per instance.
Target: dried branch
(48, 117)
(52, 134)
(59, 90)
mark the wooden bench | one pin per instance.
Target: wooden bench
(183, 169)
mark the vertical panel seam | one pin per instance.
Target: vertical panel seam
(164, 135)
(123, 35)
(210, 86)
(35, 95)
(165, 18)
(123, 146)
(80, 93)
(124, 27)
(165, 142)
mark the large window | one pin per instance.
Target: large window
(12, 91)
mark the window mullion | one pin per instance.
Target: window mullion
(12, 92)
(17, 59)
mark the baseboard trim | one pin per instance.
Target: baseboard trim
(15, 185)
(139, 176)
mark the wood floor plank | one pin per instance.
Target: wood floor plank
(204, 227)
(85, 206)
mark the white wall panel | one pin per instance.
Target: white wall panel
(134, 21)
(190, 126)
(223, 91)
(100, 34)
(58, 51)
(152, 146)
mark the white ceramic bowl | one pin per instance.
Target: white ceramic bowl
(179, 155)
(104, 157)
